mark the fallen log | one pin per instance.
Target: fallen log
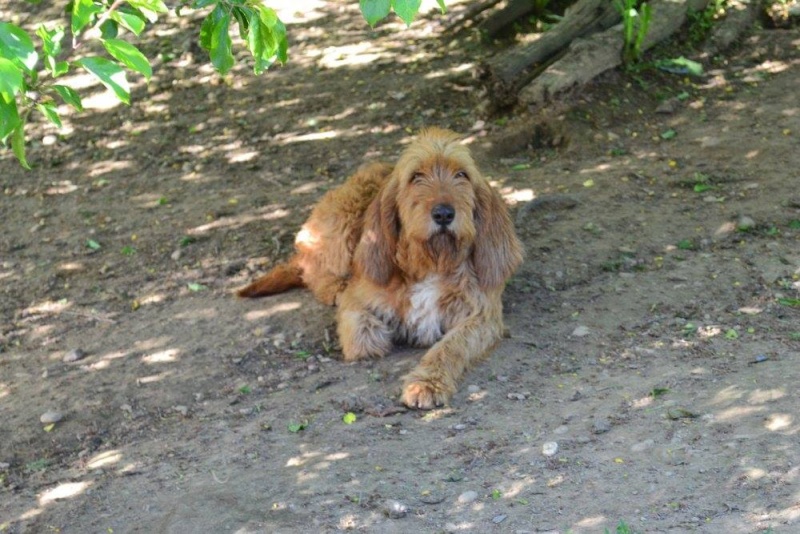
(506, 73)
(590, 56)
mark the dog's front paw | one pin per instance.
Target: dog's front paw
(424, 395)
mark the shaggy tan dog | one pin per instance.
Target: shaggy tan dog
(416, 253)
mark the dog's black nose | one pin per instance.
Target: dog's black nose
(443, 214)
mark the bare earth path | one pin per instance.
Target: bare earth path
(651, 372)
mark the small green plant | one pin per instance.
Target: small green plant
(635, 25)
(622, 528)
(496, 494)
(294, 428)
(245, 390)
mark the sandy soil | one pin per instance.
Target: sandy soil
(649, 381)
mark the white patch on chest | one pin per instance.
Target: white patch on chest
(423, 320)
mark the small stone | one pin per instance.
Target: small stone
(581, 331)
(4, 466)
(499, 519)
(472, 388)
(176, 255)
(49, 139)
(563, 429)
(126, 408)
(183, 410)
(745, 223)
(642, 445)
(468, 497)
(516, 396)
(601, 426)
(51, 416)
(395, 510)
(550, 448)
(459, 426)
(679, 412)
(74, 355)
(668, 106)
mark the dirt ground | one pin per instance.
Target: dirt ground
(648, 383)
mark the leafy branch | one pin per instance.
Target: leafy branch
(29, 73)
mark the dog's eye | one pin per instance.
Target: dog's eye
(461, 175)
(416, 178)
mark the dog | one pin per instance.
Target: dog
(416, 253)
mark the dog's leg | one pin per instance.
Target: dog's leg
(362, 334)
(435, 379)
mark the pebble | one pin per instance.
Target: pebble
(468, 497)
(581, 331)
(395, 509)
(472, 388)
(642, 445)
(499, 518)
(563, 429)
(74, 355)
(51, 416)
(745, 223)
(517, 396)
(601, 426)
(181, 409)
(459, 426)
(550, 448)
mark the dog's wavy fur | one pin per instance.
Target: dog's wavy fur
(374, 248)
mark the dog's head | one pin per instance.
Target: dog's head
(437, 213)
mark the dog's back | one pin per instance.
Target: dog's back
(325, 244)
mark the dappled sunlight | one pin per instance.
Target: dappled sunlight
(595, 523)
(200, 314)
(283, 307)
(450, 71)
(762, 396)
(164, 356)
(299, 11)
(269, 213)
(738, 412)
(728, 395)
(152, 379)
(349, 55)
(66, 490)
(514, 196)
(5, 390)
(777, 422)
(104, 459)
(109, 167)
(152, 343)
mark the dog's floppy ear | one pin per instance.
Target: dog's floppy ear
(375, 254)
(497, 251)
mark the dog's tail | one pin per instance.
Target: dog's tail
(282, 277)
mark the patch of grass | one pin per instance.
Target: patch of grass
(622, 528)
(37, 465)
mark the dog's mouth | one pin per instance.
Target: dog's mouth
(442, 243)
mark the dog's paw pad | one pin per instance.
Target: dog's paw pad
(422, 395)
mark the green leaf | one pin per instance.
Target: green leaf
(110, 74)
(297, 427)
(128, 250)
(349, 418)
(199, 4)
(442, 6)
(129, 55)
(375, 10)
(795, 303)
(406, 9)
(214, 37)
(18, 144)
(794, 224)
(109, 29)
(194, 286)
(9, 117)
(149, 8)
(668, 134)
(11, 79)
(48, 109)
(51, 39)
(17, 46)
(702, 188)
(82, 13)
(92, 244)
(69, 96)
(133, 21)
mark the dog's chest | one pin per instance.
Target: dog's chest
(423, 318)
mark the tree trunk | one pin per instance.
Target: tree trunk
(588, 57)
